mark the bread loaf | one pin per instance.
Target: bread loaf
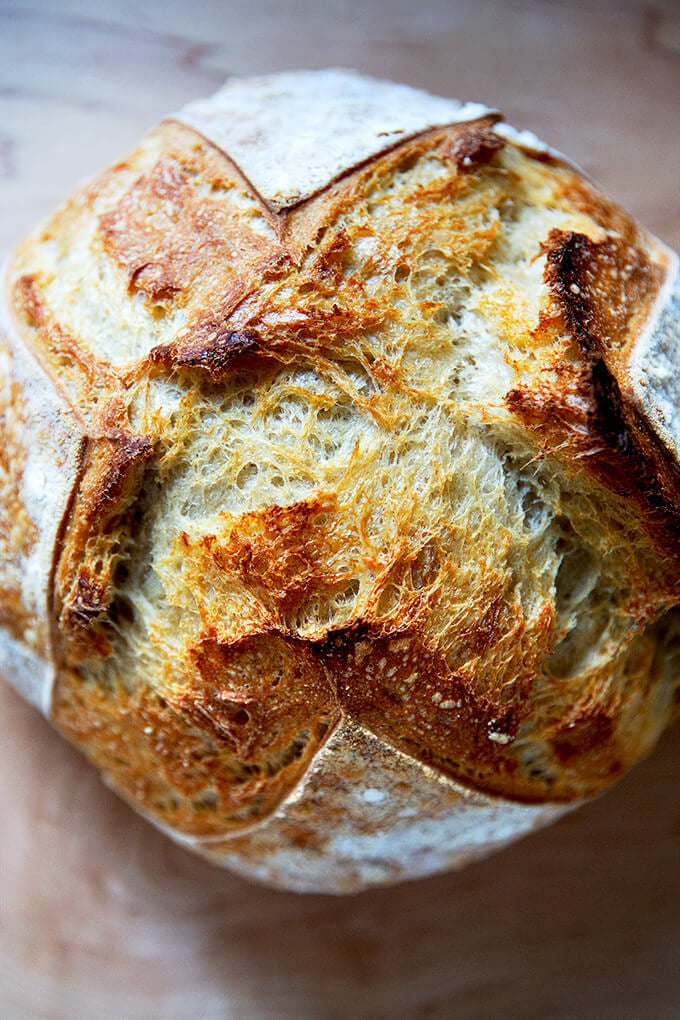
(339, 491)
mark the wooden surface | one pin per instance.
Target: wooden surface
(101, 917)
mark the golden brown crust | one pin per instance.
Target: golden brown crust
(385, 817)
(208, 756)
(373, 458)
(85, 576)
(174, 237)
(602, 292)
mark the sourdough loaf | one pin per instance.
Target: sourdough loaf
(339, 480)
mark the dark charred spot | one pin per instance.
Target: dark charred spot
(126, 456)
(608, 401)
(583, 736)
(601, 287)
(567, 258)
(89, 600)
(211, 353)
(602, 292)
(475, 146)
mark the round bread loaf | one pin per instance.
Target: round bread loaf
(339, 480)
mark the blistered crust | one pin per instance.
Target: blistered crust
(373, 560)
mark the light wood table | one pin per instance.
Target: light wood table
(101, 918)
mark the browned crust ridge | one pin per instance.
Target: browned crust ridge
(209, 754)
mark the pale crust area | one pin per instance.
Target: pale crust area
(366, 494)
(41, 451)
(341, 119)
(650, 367)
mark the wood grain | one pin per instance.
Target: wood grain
(100, 916)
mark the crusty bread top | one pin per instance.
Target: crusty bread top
(341, 119)
(366, 445)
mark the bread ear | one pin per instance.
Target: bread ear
(41, 457)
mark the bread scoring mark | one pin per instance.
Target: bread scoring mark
(379, 285)
(307, 301)
(456, 713)
(216, 749)
(459, 714)
(92, 542)
(457, 704)
(293, 136)
(93, 388)
(188, 232)
(385, 817)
